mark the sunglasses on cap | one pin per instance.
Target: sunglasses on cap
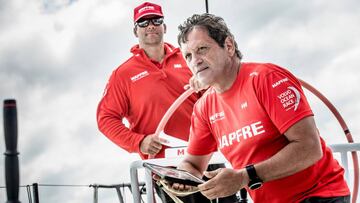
(145, 22)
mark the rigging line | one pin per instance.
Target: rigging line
(74, 185)
(3, 187)
(62, 185)
(122, 185)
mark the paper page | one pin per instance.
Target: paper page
(172, 141)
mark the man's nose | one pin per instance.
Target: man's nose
(151, 24)
(197, 59)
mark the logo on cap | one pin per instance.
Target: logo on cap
(146, 8)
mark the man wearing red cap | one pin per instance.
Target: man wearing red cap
(143, 88)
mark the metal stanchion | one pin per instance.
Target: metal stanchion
(36, 192)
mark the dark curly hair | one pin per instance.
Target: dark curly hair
(215, 25)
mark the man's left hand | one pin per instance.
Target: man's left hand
(223, 182)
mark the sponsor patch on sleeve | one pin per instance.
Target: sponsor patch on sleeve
(290, 98)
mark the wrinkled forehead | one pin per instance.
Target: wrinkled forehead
(196, 38)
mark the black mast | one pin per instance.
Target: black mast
(11, 154)
(206, 6)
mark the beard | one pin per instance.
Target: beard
(153, 38)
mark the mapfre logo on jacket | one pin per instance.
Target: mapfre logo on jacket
(139, 76)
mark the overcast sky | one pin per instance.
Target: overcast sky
(56, 57)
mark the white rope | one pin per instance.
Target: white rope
(174, 193)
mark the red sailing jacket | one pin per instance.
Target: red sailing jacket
(141, 92)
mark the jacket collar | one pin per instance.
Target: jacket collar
(169, 50)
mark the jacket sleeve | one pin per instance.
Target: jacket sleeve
(110, 113)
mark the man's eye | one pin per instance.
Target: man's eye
(188, 57)
(202, 49)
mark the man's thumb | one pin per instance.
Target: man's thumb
(211, 174)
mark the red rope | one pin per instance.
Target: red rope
(170, 111)
(346, 132)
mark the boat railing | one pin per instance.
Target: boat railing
(343, 149)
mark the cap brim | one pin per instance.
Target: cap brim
(148, 14)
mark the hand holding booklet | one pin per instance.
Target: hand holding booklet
(174, 175)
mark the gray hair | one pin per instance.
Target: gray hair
(215, 26)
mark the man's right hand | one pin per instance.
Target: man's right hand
(196, 85)
(151, 144)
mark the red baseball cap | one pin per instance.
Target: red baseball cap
(147, 9)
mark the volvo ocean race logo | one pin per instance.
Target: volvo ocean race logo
(290, 98)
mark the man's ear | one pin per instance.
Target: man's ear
(164, 28)
(135, 31)
(230, 45)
